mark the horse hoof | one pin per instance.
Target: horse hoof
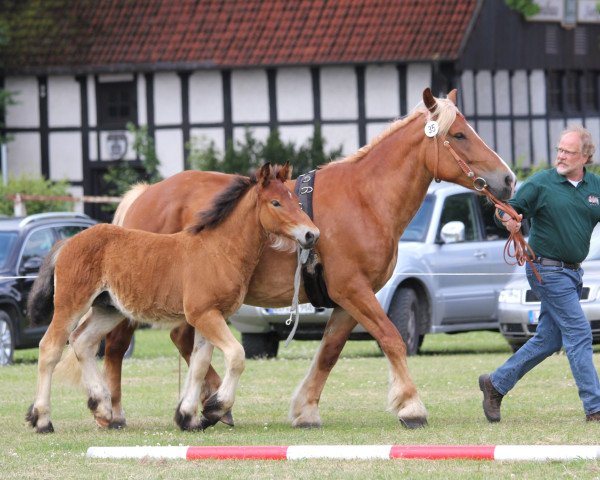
(227, 419)
(47, 429)
(117, 424)
(207, 422)
(102, 422)
(307, 425)
(412, 423)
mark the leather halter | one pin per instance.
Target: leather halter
(516, 247)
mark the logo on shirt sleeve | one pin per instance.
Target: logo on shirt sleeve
(593, 200)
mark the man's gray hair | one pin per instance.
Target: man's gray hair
(587, 143)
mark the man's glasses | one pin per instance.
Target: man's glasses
(568, 153)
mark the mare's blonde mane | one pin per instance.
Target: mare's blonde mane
(444, 113)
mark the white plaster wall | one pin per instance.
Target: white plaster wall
(519, 93)
(485, 129)
(169, 148)
(502, 92)
(483, 83)
(259, 133)
(23, 154)
(201, 138)
(299, 135)
(294, 94)
(466, 93)
(206, 97)
(92, 146)
(142, 107)
(167, 98)
(64, 102)
(344, 135)
(65, 156)
(537, 88)
(375, 129)
(540, 136)
(418, 78)
(249, 96)
(91, 99)
(26, 111)
(76, 192)
(382, 96)
(339, 97)
(503, 148)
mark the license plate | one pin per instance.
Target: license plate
(534, 316)
(302, 308)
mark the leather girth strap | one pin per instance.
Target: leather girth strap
(312, 271)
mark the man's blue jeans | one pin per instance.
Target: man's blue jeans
(561, 323)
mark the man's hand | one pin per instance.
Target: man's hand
(512, 225)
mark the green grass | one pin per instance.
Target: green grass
(542, 409)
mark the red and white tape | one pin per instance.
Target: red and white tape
(355, 452)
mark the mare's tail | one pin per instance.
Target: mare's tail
(40, 304)
(131, 196)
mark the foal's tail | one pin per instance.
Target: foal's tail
(131, 196)
(40, 304)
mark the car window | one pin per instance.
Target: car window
(7, 242)
(492, 231)
(67, 231)
(418, 226)
(460, 208)
(38, 244)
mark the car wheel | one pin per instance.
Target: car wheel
(405, 314)
(7, 340)
(260, 345)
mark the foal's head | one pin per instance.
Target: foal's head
(279, 212)
(279, 209)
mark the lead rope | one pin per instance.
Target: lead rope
(516, 247)
(294, 311)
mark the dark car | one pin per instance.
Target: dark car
(24, 242)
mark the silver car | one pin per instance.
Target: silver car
(449, 273)
(519, 308)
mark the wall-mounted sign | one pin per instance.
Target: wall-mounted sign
(116, 143)
(567, 12)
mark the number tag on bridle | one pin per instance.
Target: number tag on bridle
(432, 128)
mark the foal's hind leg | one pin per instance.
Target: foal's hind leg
(85, 340)
(51, 348)
(117, 343)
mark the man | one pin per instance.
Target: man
(563, 206)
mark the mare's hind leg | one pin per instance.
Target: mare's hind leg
(84, 341)
(304, 408)
(183, 338)
(186, 414)
(51, 348)
(117, 343)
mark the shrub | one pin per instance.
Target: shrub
(30, 185)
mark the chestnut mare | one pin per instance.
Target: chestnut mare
(361, 205)
(199, 276)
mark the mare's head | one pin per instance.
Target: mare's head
(462, 140)
(279, 211)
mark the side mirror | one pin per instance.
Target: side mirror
(32, 265)
(453, 232)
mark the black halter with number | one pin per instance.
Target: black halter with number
(312, 271)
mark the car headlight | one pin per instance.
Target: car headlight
(510, 295)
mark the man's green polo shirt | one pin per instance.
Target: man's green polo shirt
(562, 216)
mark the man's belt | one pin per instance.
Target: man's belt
(549, 262)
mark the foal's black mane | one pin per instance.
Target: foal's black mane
(223, 204)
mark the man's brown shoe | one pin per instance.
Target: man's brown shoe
(593, 417)
(492, 398)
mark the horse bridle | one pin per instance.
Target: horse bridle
(516, 246)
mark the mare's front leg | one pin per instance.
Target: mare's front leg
(359, 300)
(304, 409)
